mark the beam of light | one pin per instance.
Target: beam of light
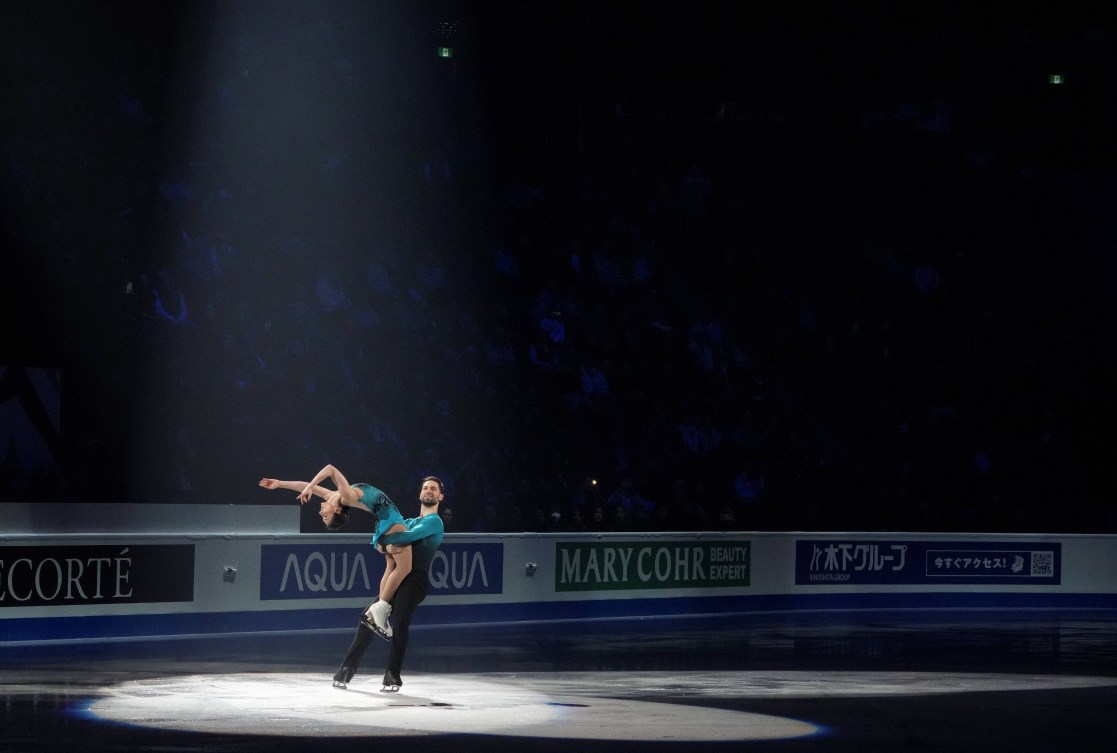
(581, 705)
(299, 704)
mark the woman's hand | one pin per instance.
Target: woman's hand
(269, 483)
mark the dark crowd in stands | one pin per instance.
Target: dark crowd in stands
(623, 307)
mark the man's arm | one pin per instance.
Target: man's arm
(428, 525)
(295, 486)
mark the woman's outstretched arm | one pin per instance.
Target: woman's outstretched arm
(295, 486)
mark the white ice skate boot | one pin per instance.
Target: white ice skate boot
(370, 623)
(377, 618)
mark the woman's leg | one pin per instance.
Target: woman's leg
(398, 569)
(389, 567)
(400, 566)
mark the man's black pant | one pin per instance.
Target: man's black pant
(408, 596)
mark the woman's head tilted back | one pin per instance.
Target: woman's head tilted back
(334, 514)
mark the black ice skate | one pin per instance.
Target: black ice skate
(343, 676)
(392, 682)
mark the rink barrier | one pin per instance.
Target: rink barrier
(98, 586)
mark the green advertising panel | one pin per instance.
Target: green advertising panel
(625, 565)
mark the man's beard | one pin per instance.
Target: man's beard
(428, 501)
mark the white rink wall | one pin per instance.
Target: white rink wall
(99, 584)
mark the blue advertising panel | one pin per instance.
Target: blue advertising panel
(336, 571)
(467, 569)
(820, 562)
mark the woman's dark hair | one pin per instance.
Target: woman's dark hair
(339, 519)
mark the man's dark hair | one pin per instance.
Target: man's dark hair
(339, 519)
(437, 480)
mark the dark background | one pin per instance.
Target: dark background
(764, 266)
